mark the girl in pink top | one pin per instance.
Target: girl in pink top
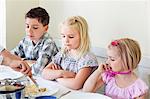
(117, 73)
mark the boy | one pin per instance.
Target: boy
(37, 48)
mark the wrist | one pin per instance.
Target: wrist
(7, 61)
(99, 71)
(62, 73)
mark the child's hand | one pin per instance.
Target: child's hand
(55, 67)
(29, 74)
(20, 66)
(30, 62)
(104, 67)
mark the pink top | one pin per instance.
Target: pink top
(112, 90)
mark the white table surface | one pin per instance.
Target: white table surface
(56, 89)
(74, 94)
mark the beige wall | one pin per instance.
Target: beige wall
(108, 19)
(15, 26)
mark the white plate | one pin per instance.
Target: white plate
(52, 89)
(7, 72)
(83, 95)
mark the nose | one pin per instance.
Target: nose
(66, 40)
(107, 61)
(29, 31)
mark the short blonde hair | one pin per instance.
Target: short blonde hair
(79, 23)
(129, 50)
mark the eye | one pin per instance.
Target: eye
(112, 59)
(63, 36)
(27, 26)
(35, 27)
(71, 37)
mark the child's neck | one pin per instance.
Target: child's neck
(123, 81)
(73, 53)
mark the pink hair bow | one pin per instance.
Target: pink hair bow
(115, 43)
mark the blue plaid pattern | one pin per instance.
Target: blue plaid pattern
(42, 51)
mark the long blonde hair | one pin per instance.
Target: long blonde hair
(79, 23)
(129, 50)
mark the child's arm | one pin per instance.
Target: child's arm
(77, 81)
(18, 50)
(53, 71)
(94, 81)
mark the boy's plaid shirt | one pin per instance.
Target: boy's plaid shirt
(42, 51)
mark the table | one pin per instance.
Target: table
(56, 89)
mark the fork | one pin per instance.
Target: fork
(64, 94)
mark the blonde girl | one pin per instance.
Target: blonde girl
(73, 65)
(121, 82)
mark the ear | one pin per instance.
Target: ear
(46, 28)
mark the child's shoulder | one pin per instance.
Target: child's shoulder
(89, 59)
(47, 39)
(140, 84)
(138, 88)
(89, 55)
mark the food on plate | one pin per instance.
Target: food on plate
(33, 90)
(12, 87)
(42, 89)
(8, 88)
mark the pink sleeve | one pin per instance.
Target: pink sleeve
(140, 88)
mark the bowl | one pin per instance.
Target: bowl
(45, 97)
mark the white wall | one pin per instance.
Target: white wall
(108, 19)
(15, 22)
(3, 23)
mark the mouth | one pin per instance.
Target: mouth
(67, 44)
(30, 36)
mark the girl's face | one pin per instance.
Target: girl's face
(70, 38)
(114, 60)
(34, 29)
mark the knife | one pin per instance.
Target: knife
(33, 80)
(64, 94)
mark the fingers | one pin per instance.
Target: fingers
(55, 67)
(104, 67)
(29, 74)
(24, 68)
(58, 67)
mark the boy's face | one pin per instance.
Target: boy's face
(34, 29)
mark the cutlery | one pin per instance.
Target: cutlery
(33, 80)
(64, 94)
